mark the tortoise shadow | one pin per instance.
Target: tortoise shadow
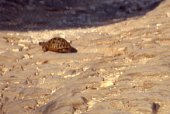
(26, 15)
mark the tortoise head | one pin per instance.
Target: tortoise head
(73, 50)
(44, 46)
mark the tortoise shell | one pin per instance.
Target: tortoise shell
(57, 44)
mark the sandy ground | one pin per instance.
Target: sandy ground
(120, 68)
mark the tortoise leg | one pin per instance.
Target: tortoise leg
(44, 49)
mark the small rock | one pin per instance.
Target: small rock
(107, 83)
(168, 14)
(155, 107)
(15, 50)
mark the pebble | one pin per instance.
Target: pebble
(106, 83)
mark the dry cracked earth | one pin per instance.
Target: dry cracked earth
(120, 68)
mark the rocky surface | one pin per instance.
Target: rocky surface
(120, 68)
(34, 15)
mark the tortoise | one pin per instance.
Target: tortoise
(57, 44)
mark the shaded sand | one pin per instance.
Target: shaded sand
(121, 68)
